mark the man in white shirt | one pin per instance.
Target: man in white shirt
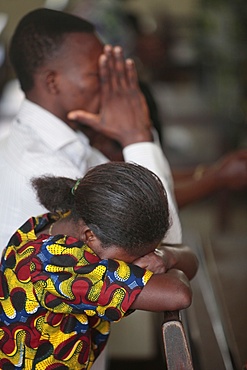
(61, 69)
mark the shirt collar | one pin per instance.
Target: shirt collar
(49, 128)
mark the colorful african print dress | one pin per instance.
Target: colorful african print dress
(57, 299)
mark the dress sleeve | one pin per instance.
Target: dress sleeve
(69, 278)
(122, 284)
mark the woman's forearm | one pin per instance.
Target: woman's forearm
(165, 292)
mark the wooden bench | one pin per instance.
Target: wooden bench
(177, 352)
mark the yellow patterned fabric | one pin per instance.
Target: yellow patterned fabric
(57, 299)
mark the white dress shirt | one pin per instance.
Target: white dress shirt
(39, 143)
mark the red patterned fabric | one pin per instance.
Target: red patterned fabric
(57, 299)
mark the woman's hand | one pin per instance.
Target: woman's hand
(153, 261)
(168, 257)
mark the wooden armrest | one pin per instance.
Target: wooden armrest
(177, 354)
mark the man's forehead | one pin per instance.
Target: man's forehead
(83, 37)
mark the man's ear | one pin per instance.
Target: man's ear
(51, 80)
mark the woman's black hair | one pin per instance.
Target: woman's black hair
(38, 37)
(124, 204)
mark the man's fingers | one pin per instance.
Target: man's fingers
(89, 119)
(116, 67)
(120, 68)
(108, 51)
(116, 73)
(131, 73)
(104, 75)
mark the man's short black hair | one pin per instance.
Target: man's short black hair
(38, 36)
